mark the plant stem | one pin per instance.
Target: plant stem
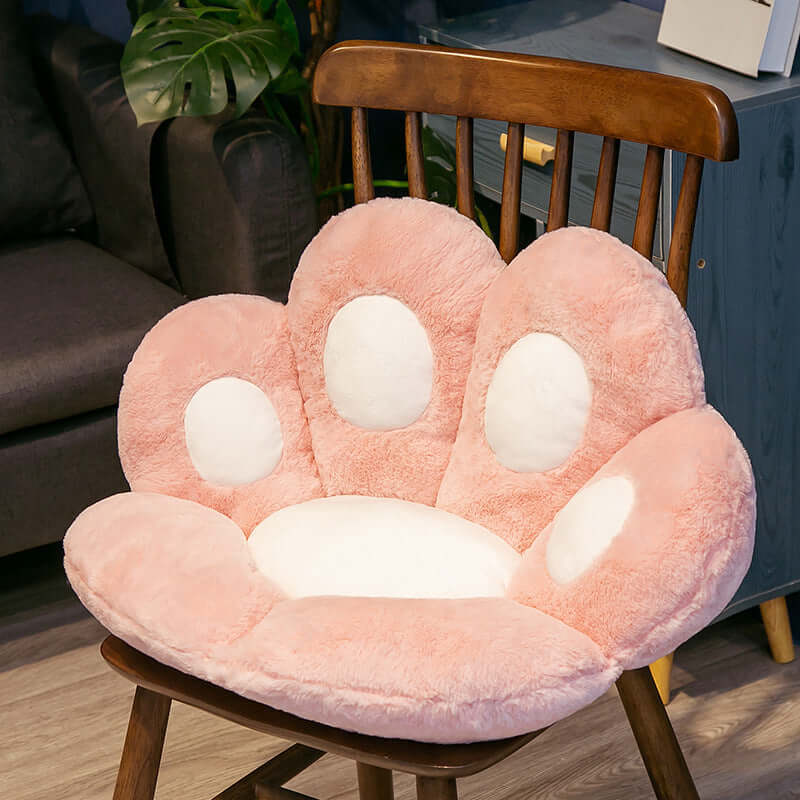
(348, 187)
(484, 223)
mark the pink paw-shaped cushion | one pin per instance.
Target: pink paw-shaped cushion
(433, 497)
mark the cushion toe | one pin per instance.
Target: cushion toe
(429, 670)
(171, 577)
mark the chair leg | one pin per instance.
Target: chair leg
(436, 788)
(144, 741)
(655, 737)
(374, 783)
(779, 630)
(662, 672)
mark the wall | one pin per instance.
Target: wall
(107, 16)
(366, 19)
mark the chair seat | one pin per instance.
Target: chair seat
(72, 317)
(432, 760)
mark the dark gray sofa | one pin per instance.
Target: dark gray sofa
(178, 210)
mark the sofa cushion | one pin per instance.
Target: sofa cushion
(72, 315)
(81, 77)
(48, 473)
(40, 189)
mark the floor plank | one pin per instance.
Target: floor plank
(736, 712)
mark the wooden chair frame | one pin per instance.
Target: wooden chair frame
(659, 111)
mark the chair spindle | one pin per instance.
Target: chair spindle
(606, 182)
(464, 170)
(558, 213)
(363, 188)
(683, 228)
(414, 156)
(512, 192)
(648, 201)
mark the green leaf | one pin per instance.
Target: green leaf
(138, 7)
(440, 182)
(348, 187)
(179, 64)
(224, 13)
(240, 7)
(264, 6)
(441, 192)
(439, 165)
(285, 18)
(433, 146)
(440, 173)
(290, 81)
(483, 222)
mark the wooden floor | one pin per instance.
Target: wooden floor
(63, 716)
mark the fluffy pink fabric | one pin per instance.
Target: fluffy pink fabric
(429, 670)
(440, 265)
(171, 577)
(228, 335)
(175, 578)
(681, 554)
(638, 347)
(402, 668)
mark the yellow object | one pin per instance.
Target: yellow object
(779, 630)
(662, 671)
(533, 150)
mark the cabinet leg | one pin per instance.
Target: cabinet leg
(657, 742)
(662, 672)
(779, 631)
(374, 783)
(144, 741)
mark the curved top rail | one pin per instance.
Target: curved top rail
(637, 106)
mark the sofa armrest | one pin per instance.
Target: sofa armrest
(236, 203)
(81, 81)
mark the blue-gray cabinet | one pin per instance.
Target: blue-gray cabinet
(744, 290)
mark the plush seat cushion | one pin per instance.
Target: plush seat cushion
(175, 579)
(431, 497)
(40, 191)
(72, 315)
(426, 669)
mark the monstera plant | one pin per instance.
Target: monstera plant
(197, 57)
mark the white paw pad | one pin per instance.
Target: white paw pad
(537, 404)
(232, 432)
(587, 526)
(378, 363)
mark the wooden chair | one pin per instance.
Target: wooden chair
(661, 112)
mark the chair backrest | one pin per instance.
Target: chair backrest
(660, 111)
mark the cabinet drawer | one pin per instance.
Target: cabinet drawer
(489, 161)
